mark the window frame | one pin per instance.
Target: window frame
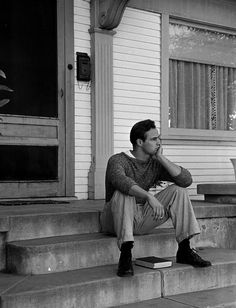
(168, 133)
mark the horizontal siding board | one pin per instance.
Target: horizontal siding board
(137, 81)
(138, 88)
(208, 166)
(223, 148)
(81, 11)
(137, 33)
(143, 24)
(82, 166)
(81, 35)
(200, 151)
(137, 66)
(83, 150)
(126, 122)
(137, 116)
(82, 127)
(82, 105)
(131, 25)
(139, 37)
(85, 112)
(136, 44)
(193, 159)
(83, 158)
(82, 29)
(81, 4)
(135, 108)
(81, 181)
(147, 75)
(82, 97)
(133, 94)
(138, 15)
(82, 45)
(212, 172)
(138, 102)
(136, 58)
(83, 120)
(153, 54)
(82, 135)
(212, 179)
(132, 50)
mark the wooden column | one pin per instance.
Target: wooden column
(105, 16)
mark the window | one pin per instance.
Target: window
(202, 79)
(28, 56)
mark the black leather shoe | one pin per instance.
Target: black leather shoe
(189, 256)
(125, 266)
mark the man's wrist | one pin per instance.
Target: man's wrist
(160, 157)
(149, 196)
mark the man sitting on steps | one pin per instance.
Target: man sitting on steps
(131, 209)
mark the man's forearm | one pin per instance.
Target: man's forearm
(173, 169)
(157, 207)
(139, 193)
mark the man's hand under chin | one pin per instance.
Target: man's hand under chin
(158, 153)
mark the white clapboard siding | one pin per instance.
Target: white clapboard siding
(136, 64)
(82, 102)
(207, 164)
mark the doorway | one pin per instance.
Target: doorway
(33, 134)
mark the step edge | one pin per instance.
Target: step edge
(19, 243)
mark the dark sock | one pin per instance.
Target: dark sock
(127, 246)
(185, 244)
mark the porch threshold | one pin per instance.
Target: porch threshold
(218, 192)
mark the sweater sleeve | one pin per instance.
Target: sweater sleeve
(116, 175)
(184, 179)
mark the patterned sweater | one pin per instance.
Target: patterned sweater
(124, 171)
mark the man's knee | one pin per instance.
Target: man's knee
(177, 189)
(120, 198)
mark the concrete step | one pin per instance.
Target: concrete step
(46, 220)
(77, 217)
(182, 278)
(64, 253)
(99, 287)
(214, 298)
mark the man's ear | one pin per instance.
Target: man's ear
(139, 142)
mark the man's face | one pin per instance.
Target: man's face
(152, 142)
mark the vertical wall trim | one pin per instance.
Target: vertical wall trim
(102, 109)
(69, 99)
(164, 73)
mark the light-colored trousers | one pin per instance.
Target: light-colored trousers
(125, 218)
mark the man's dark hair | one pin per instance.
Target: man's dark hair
(138, 131)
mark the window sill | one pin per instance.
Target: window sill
(198, 136)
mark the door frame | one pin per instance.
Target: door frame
(66, 13)
(53, 131)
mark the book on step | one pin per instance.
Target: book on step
(153, 262)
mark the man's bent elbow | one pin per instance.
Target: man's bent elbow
(187, 182)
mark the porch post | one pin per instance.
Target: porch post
(102, 108)
(105, 16)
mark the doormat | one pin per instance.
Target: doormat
(30, 202)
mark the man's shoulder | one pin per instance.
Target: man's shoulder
(117, 157)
